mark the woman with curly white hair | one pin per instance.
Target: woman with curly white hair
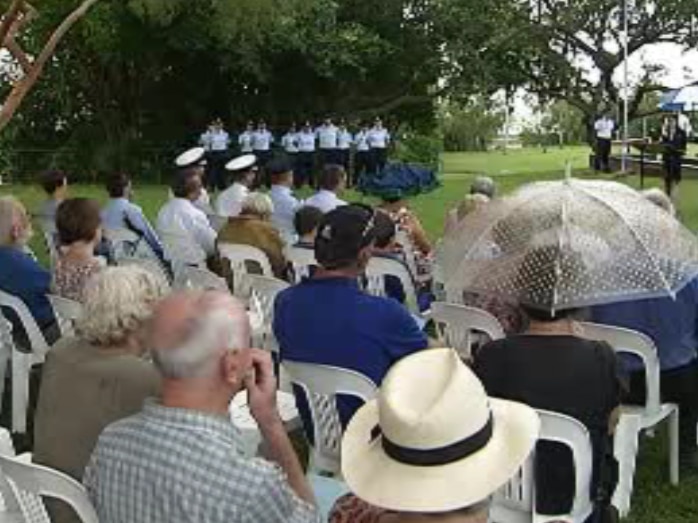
(99, 376)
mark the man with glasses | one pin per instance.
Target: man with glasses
(329, 320)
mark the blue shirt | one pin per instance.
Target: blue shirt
(120, 213)
(23, 277)
(672, 325)
(350, 330)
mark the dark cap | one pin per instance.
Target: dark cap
(343, 233)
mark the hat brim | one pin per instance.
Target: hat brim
(381, 481)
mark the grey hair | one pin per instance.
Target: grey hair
(9, 208)
(118, 301)
(483, 185)
(213, 331)
(258, 203)
(660, 199)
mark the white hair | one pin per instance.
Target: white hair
(214, 330)
(258, 203)
(483, 185)
(10, 209)
(118, 301)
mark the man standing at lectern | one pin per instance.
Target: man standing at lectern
(603, 127)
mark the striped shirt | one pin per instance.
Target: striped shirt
(166, 464)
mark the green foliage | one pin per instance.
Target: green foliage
(471, 126)
(417, 148)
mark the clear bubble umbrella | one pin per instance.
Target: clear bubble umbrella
(568, 244)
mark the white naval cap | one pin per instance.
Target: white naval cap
(194, 156)
(241, 162)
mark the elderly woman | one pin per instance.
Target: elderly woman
(79, 231)
(470, 203)
(100, 376)
(253, 227)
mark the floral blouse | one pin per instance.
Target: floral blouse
(350, 509)
(70, 278)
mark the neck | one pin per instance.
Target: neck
(81, 250)
(308, 238)
(196, 395)
(434, 518)
(551, 328)
(346, 272)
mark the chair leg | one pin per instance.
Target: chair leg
(625, 447)
(20, 393)
(4, 358)
(674, 447)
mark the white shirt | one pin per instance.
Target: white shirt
(229, 202)
(285, 207)
(327, 135)
(185, 232)
(604, 128)
(306, 141)
(344, 140)
(261, 140)
(215, 140)
(378, 138)
(325, 200)
(289, 141)
(245, 141)
(361, 141)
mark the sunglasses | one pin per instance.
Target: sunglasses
(370, 223)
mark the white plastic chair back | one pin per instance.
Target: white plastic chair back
(408, 247)
(151, 265)
(17, 506)
(321, 385)
(301, 260)
(67, 312)
(635, 419)
(458, 326)
(515, 502)
(22, 362)
(242, 258)
(376, 271)
(263, 294)
(35, 480)
(195, 278)
(51, 247)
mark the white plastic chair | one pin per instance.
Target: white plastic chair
(327, 491)
(250, 435)
(515, 502)
(151, 265)
(301, 260)
(241, 258)
(634, 419)
(29, 480)
(321, 385)
(263, 294)
(458, 326)
(67, 312)
(376, 271)
(196, 278)
(403, 238)
(21, 362)
(217, 222)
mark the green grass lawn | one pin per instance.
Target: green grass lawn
(654, 500)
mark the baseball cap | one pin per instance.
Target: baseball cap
(342, 234)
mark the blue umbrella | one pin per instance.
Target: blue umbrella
(684, 99)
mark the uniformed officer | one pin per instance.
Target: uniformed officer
(261, 144)
(378, 141)
(216, 141)
(246, 138)
(306, 156)
(362, 159)
(289, 142)
(344, 140)
(327, 141)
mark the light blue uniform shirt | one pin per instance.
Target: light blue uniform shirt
(285, 207)
(120, 213)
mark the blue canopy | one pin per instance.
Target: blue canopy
(684, 99)
(399, 180)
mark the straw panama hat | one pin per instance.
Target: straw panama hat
(432, 441)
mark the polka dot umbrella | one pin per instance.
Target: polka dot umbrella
(568, 244)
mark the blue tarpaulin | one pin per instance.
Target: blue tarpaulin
(399, 180)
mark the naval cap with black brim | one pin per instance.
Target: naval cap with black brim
(241, 163)
(191, 157)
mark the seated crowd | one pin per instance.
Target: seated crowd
(136, 404)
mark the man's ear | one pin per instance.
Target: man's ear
(365, 255)
(230, 369)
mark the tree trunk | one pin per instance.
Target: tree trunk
(24, 86)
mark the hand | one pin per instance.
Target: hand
(261, 389)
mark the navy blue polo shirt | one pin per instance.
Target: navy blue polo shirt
(331, 321)
(23, 277)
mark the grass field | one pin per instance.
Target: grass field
(654, 500)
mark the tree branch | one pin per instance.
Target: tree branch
(22, 87)
(9, 18)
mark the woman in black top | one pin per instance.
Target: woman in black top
(552, 367)
(675, 141)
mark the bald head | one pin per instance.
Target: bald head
(191, 330)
